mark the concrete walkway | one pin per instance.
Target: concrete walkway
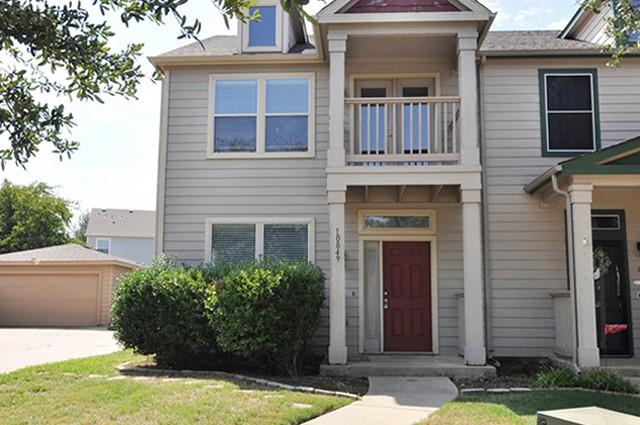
(394, 401)
(21, 347)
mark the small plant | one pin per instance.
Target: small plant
(557, 378)
(593, 379)
(160, 310)
(267, 312)
(606, 380)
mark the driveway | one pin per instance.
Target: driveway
(21, 347)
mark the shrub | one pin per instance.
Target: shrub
(606, 380)
(593, 379)
(268, 311)
(160, 310)
(557, 378)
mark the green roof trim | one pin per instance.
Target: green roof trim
(619, 159)
(622, 158)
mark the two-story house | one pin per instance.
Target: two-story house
(452, 182)
(128, 234)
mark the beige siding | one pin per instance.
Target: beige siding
(526, 239)
(197, 187)
(449, 255)
(594, 28)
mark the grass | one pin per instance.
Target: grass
(522, 408)
(89, 391)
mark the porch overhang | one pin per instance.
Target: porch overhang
(616, 166)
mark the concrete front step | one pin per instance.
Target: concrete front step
(629, 367)
(419, 366)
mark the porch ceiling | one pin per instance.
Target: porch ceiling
(616, 165)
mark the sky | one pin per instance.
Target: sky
(116, 165)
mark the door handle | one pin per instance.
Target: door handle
(385, 303)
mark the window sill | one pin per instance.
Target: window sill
(566, 154)
(261, 155)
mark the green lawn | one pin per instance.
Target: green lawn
(89, 391)
(521, 408)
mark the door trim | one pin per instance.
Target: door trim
(431, 239)
(395, 76)
(619, 235)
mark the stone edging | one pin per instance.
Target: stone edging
(528, 390)
(130, 369)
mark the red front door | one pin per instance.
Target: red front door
(407, 296)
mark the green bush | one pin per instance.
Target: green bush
(593, 379)
(557, 378)
(267, 312)
(606, 380)
(160, 310)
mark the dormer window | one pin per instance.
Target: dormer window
(263, 34)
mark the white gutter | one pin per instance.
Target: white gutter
(571, 263)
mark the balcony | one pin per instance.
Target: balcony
(403, 131)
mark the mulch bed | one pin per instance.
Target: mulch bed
(511, 373)
(358, 386)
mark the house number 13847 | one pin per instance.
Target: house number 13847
(337, 244)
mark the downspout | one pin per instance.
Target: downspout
(571, 263)
(485, 215)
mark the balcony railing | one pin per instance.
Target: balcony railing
(403, 131)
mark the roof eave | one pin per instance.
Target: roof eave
(542, 179)
(107, 262)
(543, 53)
(266, 58)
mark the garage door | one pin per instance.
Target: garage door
(48, 300)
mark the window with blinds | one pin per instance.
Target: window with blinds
(236, 115)
(233, 243)
(275, 238)
(287, 115)
(255, 115)
(288, 242)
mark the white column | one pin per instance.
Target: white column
(585, 302)
(474, 349)
(337, 48)
(468, 90)
(337, 302)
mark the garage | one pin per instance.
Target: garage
(66, 285)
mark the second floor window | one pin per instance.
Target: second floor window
(569, 108)
(103, 245)
(262, 116)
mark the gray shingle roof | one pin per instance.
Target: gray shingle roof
(532, 41)
(218, 45)
(122, 223)
(61, 254)
(221, 45)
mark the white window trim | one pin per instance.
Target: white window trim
(108, 244)
(431, 230)
(261, 116)
(259, 223)
(244, 29)
(594, 142)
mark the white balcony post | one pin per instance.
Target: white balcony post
(337, 302)
(588, 353)
(468, 88)
(474, 348)
(337, 49)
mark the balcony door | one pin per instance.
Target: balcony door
(394, 127)
(374, 119)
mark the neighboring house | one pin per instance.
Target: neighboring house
(65, 285)
(126, 234)
(427, 165)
